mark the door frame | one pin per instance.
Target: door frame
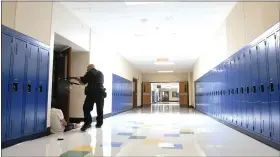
(134, 94)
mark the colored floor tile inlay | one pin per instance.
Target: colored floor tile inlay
(83, 148)
(152, 141)
(171, 135)
(113, 144)
(137, 137)
(170, 146)
(186, 131)
(125, 134)
(74, 154)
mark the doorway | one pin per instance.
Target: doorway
(61, 70)
(134, 93)
(165, 92)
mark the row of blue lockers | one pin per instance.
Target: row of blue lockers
(24, 85)
(244, 89)
(121, 94)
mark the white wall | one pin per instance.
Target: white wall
(69, 26)
(79, 60)
(169, 77)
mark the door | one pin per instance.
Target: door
(6, 53)
(247, 92)
(273, 86)
(146, 93)
(42, 90)
(18, 70)
(183, 92)
(263, 88)
(256, 101)
(30, 88)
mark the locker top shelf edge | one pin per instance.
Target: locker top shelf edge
(263, 36)
(12, 32)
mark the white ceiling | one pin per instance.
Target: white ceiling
(144, 32)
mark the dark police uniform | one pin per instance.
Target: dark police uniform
(95, 93)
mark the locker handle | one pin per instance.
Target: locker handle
(254, 89)
(40, 88)
(248, 90)
(242, 90)
(262, 88)
(271, 87)
(28, 87)
(15, 86)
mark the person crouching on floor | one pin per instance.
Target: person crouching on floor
(58, 123)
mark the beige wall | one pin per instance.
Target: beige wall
(246, 21)
(30, 18)
(79, 60)
(9, 14)
(169, 77)
(69, 26)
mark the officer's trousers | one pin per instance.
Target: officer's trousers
(88, 107)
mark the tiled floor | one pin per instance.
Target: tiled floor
(162, 130)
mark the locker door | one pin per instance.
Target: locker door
(273, 86)
(42, 90)
(233, 92)
(230, 104)
(238, 80)
(6, 52)
(17, 82)
(30, 88)
(247, 92)
(243, 80)
(256, 101)
(264, 94)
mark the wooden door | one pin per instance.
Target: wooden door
(134, 93)
(183, 92)
(146, 94)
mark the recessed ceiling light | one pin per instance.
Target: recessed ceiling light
(141, 3)
(144, 20)
(165, 71)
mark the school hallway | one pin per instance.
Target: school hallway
(162, 130)
(170, 78)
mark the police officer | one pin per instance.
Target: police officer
(95, 93)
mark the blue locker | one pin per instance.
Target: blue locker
(238, 101)
(6, 53)
(247, 92)
(244, 76)
(256, 101)
(273, 86)
(233, 91)
(42, 90)
(17, 81)
(263, 88)
(30, 88)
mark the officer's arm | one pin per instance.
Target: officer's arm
(84, 79)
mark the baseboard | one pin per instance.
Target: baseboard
(78, 120)
(184, 106)
(248, 133)
(12, 142)
(147, 105)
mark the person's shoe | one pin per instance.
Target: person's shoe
(85, 127)
(98, 126)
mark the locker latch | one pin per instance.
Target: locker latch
(40, 88)
(29, 88)
(15, 86)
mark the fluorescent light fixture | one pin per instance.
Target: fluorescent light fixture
(165, 71)
(141, 3)
(163, 63)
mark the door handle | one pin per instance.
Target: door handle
(40, 88)
(15, 86)
(29, 87)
